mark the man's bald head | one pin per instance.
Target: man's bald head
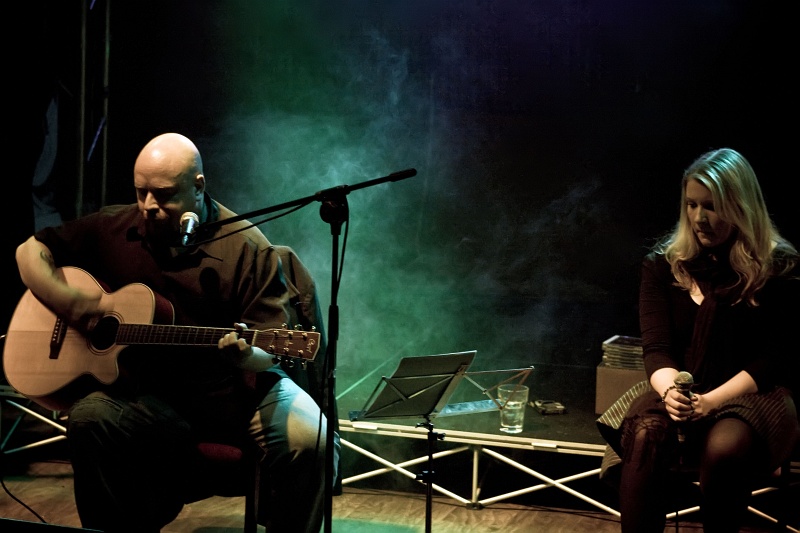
(170, 153)
(169, 181)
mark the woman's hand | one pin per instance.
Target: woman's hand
(680, 407)
(703, 404)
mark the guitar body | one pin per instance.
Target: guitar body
(45, 360)
(53, 364)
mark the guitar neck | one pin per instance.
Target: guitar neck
(277, 341)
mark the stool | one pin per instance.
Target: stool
(229, 471)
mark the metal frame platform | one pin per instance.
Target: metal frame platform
(493, 446)
(10, 397)
(476, 444)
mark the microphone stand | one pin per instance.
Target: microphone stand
(334, 211)
(683, 383)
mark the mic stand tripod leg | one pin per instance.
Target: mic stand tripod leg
(681, 438)
(427, 475)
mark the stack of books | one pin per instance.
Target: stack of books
(621, 351)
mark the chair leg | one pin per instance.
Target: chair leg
(251, 501)
(785, 487)
(782, 487)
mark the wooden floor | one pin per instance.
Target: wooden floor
(37, 488)
(42, 492)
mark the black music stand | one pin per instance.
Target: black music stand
(420, 387)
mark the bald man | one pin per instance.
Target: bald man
(132, 441)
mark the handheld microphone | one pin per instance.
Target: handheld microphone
(189, 223)
(683, 383)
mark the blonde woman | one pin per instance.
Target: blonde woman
(718, 303)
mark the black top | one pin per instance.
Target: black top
(729, 338)
(715, 341)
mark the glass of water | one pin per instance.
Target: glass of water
(512, 398)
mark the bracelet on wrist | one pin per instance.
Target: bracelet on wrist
(664, 396)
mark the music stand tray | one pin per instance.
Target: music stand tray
(420, 387)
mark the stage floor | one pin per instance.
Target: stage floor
(475, 463)
(572, 386)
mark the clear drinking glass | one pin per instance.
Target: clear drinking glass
(512, 398)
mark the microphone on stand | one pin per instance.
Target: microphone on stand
(189, 223)
(683, 383)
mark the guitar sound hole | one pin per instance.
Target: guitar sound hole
(104, 334)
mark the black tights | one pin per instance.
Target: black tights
(727, 466)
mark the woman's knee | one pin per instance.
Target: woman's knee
(729, 440)
(645, 432)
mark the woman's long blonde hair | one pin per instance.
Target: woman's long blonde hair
(738, 201)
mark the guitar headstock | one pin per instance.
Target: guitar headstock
(294, 344)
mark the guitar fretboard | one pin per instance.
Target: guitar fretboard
(278, 341)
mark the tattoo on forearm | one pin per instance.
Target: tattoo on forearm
(47, 258)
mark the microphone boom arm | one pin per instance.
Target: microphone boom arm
(320, 196)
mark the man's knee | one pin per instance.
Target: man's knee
(92, 410)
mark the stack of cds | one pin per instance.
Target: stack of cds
(620, 351)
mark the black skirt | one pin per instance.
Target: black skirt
(772, 415)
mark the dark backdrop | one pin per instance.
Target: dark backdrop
(549, 139)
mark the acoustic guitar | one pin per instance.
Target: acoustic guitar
(50, 362)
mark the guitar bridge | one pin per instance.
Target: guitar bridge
(57, 338)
